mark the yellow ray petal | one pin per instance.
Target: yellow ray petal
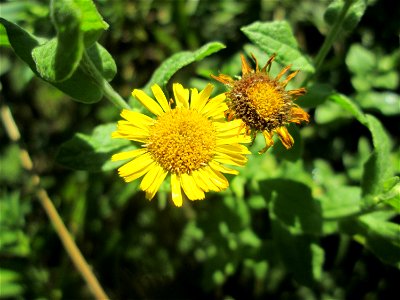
(268, 141)
(234, 157)
(214, 108)
(149, 178)
(136, 165)
(189, 186)
(217, 178)
(228, 161)
(138, 119)
(126, 128)
(204, 175)
(181, 95)
(199, 181)
(194, 99)
(151, 182)
(232, 149)
(128, 154)
(148, 102)
(176, 191)
(216, 166)
(285, 137)
(228, 126)
(156, 184)
(245, 66)
(298, 115)
(142, 138)
(160, 97)
(204, 95)
(232, 140)
(225, 79)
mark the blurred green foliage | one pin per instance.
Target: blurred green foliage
(318, 221)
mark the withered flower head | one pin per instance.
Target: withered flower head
(262, 102)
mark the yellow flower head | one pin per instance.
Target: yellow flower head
(263, 103)
(191, 141)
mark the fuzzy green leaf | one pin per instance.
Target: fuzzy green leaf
(79, 86)
(340, 201)
(3, 37)
(78, 24)
(391, 193)
(277, 37)
(353, 16)
(179, 60)
(102, 60)
(57, 59)
(91, 24)
(292, 204)
(378, 235)
(92, 152)
(349, 106)
(301, 254)
(378, 167)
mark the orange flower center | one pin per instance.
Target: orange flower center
(262, 103)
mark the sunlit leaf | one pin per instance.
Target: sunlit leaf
(277, 37)
(378, 235)
(353, 16)
(79, 86)
(378, 167)
(179, 60)
(349, 106)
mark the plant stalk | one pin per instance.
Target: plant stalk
(329, 40)
(103, 84)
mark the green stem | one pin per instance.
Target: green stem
(328, 42)
(102, 83)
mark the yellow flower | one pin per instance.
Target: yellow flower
(192, 142)
(263, 103)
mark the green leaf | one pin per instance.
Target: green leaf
(360, 60)
(10, 284)
(179, 60)
(3, 37)
(378, 166)
(391, 193)
(277, 37)
(387, 103)
(92, 152)
(102, 60)
(341, 201)
(292, 204)
(349, 106)
(379, 236)
(301, 254)
(91, 23)
(80, 86)
(57, 59)
(353, 15)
